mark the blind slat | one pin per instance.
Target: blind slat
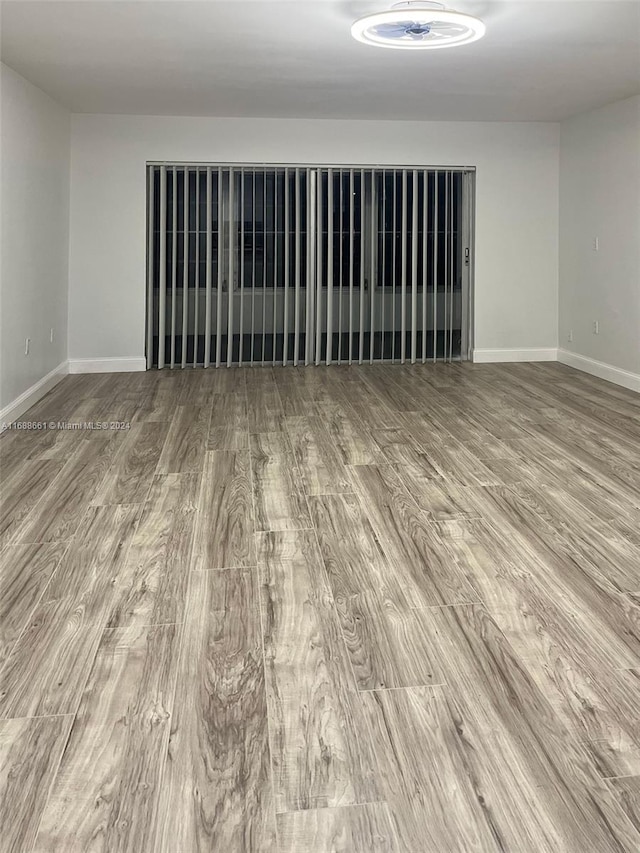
(241, 273)
(414, 269)
(435, 268)
(425, 243)
(285, 306)
(403, 272)
(207, 297)
(174, 263)
(232, 265)
(362, 276)
(352, 207)
(298, 248)
(445, 300)
(319, 272)
(185, 265)
(196, 293)
(162, 296)
(329, 265)
(150, 267)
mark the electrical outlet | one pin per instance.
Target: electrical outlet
(27, 343)
(596, 327)
(596, 244)
(570, 336)
(51, 335)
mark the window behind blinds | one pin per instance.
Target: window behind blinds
(302, 265)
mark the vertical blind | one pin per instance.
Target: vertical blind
(306, 265)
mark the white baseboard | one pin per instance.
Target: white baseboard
(485, 356)
(600, 369)
(31, 396)
(107, 365)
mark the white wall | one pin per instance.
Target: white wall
(600, 197)
(34, 181)
(516, 228)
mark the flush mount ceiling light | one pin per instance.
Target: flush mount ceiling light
(418, 25)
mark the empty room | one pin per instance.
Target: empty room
(320, 426)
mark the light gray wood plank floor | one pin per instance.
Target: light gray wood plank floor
(354, 609)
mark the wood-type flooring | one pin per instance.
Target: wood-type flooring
(347, 609)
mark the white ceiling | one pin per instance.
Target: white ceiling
(540, 61)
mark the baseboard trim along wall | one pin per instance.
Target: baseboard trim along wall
(600, 369)
(480, 356)
(31, 396)
(107, 365)
(486, 356)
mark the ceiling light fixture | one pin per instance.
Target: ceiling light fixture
(418, 25)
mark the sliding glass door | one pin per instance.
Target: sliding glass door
(307, 265)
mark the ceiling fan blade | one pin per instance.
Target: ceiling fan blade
(393, 29)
